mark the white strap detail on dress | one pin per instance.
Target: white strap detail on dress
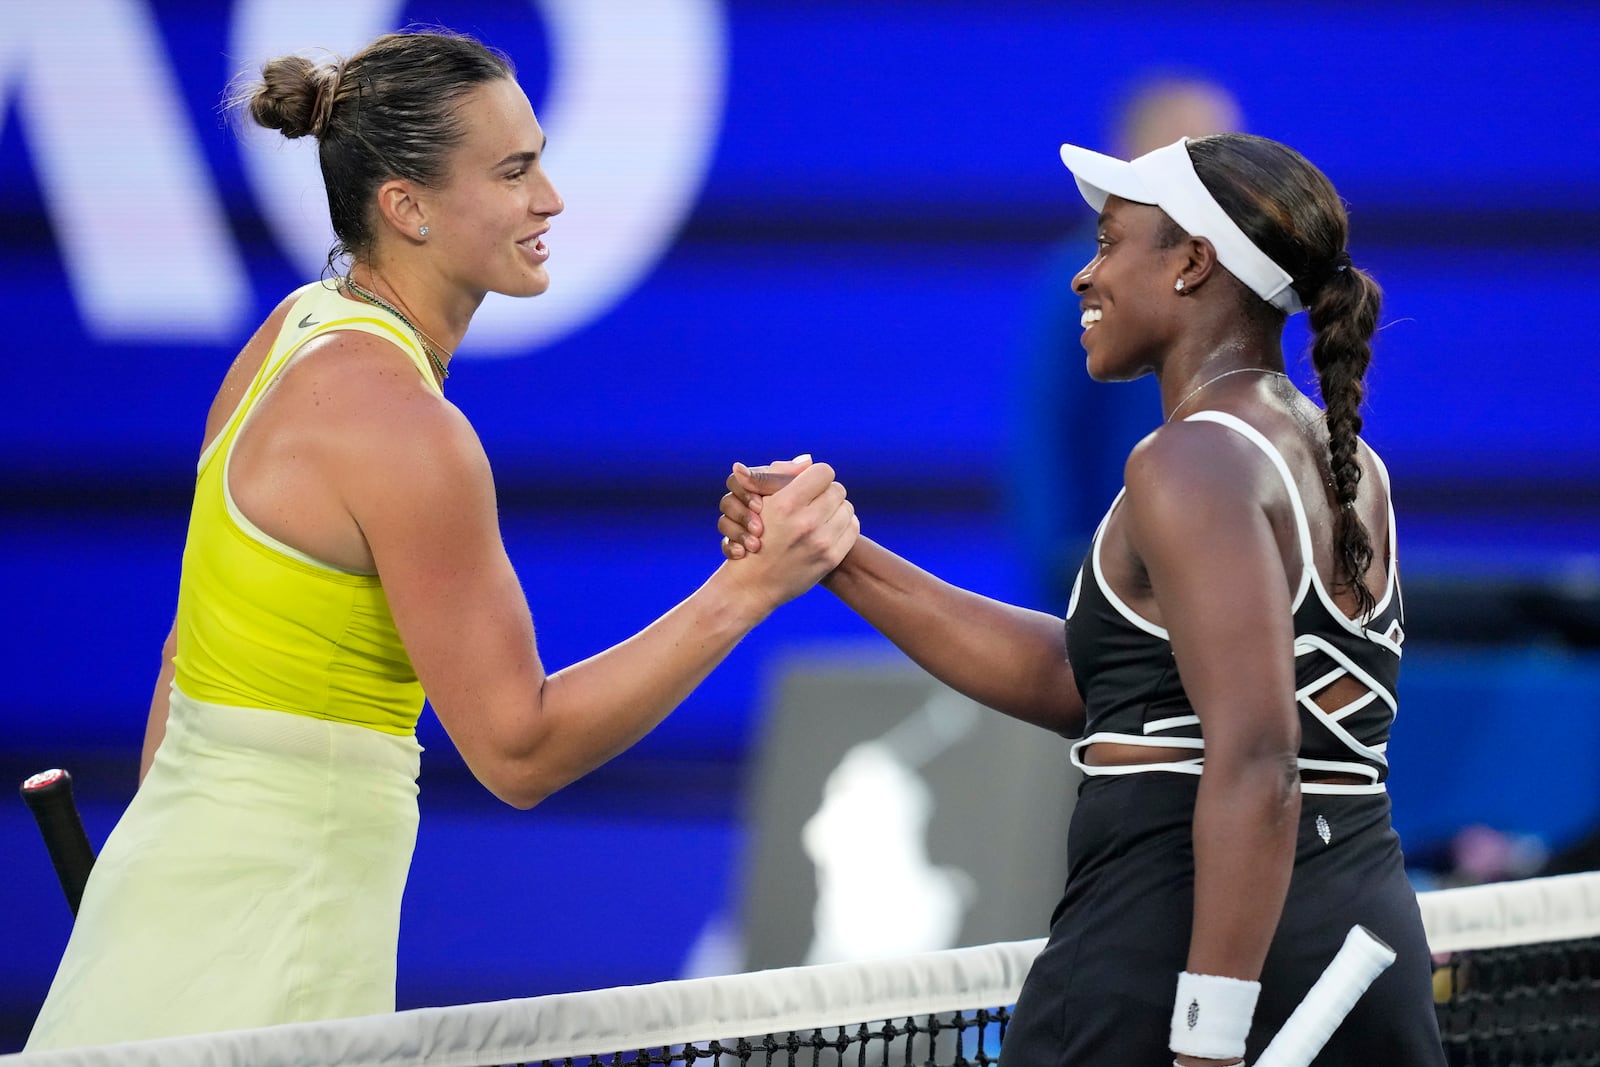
(1188, 766)
(1392, 638)
(1354, 706)
(1306, 643)
(1195, 765)
(1172, 722)
(1132, 617)
(1302, 524)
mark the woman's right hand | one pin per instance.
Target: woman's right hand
(803, 521)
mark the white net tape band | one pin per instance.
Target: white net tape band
(1558, 908)
(602, 1020)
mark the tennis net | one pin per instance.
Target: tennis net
(1516, 981)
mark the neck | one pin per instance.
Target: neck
(425, 302)
(437, 355)
(1194, 400)
(1204, 354)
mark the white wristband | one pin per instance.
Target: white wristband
(1211, 1015)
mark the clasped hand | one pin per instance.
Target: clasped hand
(798, 511)
(741, 524)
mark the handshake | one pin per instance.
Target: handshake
(786, 526)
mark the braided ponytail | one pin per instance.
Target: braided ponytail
(1289, 210)
(1343, 314)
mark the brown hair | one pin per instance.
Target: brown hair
(389, 111)
(1290, 210)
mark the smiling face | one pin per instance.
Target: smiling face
(487, 220)
(1126, 292)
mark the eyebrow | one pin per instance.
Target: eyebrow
(524, 158)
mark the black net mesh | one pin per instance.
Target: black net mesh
(1525, 1005)
(969, 1038)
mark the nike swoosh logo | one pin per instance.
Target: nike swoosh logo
(307, 322)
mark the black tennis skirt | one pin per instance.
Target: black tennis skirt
(1101, 992)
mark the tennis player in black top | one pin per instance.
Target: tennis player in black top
(1232, 644)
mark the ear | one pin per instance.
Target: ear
(1196, 260)
(401, 208)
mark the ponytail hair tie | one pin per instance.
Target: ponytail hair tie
(1315, 282)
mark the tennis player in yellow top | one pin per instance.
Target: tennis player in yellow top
(343, 558)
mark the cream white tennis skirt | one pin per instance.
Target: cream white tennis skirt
(254, 879)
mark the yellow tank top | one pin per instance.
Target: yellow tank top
(260, 623)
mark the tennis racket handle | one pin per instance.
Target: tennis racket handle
(1359, 961)
(49, 797)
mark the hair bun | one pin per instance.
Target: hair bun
(296, 96)
(327, 81)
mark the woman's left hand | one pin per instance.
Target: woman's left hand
(740, 524)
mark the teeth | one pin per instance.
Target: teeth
(1089, 318)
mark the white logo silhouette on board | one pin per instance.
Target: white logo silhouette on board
(878, 893)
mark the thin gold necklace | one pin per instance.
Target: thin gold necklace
(428, 344)
(1196, 390)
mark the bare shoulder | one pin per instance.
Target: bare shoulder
(1195, 462)
(350, 449)
(405, 463)
(372, 409)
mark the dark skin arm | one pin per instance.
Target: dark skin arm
(1199, 516)
(1008, 658)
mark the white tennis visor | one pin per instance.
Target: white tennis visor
(1166, 179)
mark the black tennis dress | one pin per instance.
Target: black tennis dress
(1101, 992)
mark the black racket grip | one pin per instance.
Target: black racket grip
(49, 797)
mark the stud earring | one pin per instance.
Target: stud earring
(1178, 286)
(422, 231)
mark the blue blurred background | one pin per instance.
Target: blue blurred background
(842, 255)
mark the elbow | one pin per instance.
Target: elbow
(522, 783)
(511, 754)
(518, 788)
(520, 778)
(1057, 707)
(522, 800)
(1263, 789)
(1070, 722)
(1051, 700)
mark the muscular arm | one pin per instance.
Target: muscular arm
(417, 481)
(1197, 516)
